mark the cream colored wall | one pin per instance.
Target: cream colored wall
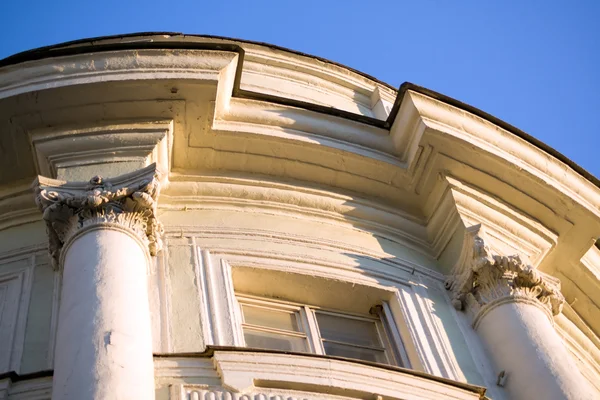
(269, 186)
(273, 241)
(29, 300)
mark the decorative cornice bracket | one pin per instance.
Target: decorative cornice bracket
(128, 200)
(481, 277)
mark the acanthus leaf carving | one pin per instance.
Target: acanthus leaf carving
(481, 277)
(128, 200)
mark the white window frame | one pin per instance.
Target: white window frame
(387, 332)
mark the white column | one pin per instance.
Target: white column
(512, 307)
(523, 342)
(102, 235)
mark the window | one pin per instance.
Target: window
(277, 325)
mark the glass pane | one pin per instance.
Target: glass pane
(348, 330)
(342, 350)
(270, 318)
(274, 341)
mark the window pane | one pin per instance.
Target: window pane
(348, 330)
(270, 318)
(342, 350)
(274, 341)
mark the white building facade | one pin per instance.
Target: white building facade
(187, 217)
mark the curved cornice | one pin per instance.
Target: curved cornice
(413, 171)
(174, 40)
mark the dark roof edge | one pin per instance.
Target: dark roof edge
(502, 124)
(88, 45)
(26, 55)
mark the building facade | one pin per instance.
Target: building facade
(188, 217)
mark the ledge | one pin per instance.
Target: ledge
(92, 45)
(243, 370)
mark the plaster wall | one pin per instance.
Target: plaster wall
(441, 340)
(288, 257)
(269, 198)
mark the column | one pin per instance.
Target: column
(102, 235)
(512, 307)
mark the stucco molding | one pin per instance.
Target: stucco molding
(436, 116)
(200, 192)
(456, 204)
(233, 374)
(128, 200)
(585, 353)
(18, 388)
(481, 279)
(141, 141)
(17, 206)
(197, 392)
(425, 342)
(398, 269)
(240, 370)
(204, 65)
(220, 315)
(15, 294)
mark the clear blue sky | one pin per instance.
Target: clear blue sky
(532, 63)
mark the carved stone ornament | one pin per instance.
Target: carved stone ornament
(481, 277)
(128, 200)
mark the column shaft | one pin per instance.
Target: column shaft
(104, 346)
(512, 305)
(522, 342)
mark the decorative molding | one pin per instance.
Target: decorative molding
(17, 206)
(442, 356)
(56, 290)
(26, 389)
(508, 230)
(191, 392)
(488, 138)
(481, 278)
(15, 294)
(128, 200)
(142, 141)
(398, 267)
(585, 353)
(220, 315)
(88, 68)
(248, 375)
(172, 368)
(240, 370)
(21, 253)
(426, 346)
(159, 291)
(591, 261)
(226, 193)
(381, 105)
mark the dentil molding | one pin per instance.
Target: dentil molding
(481, 278)
(128, 200)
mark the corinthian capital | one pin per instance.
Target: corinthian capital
(128, 200)
(482, 277)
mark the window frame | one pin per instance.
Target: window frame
(390, 343)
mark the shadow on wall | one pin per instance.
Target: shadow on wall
(432, 326)
(435, 328)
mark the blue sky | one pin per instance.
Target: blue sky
(534, 64)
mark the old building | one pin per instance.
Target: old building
(188, 217)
